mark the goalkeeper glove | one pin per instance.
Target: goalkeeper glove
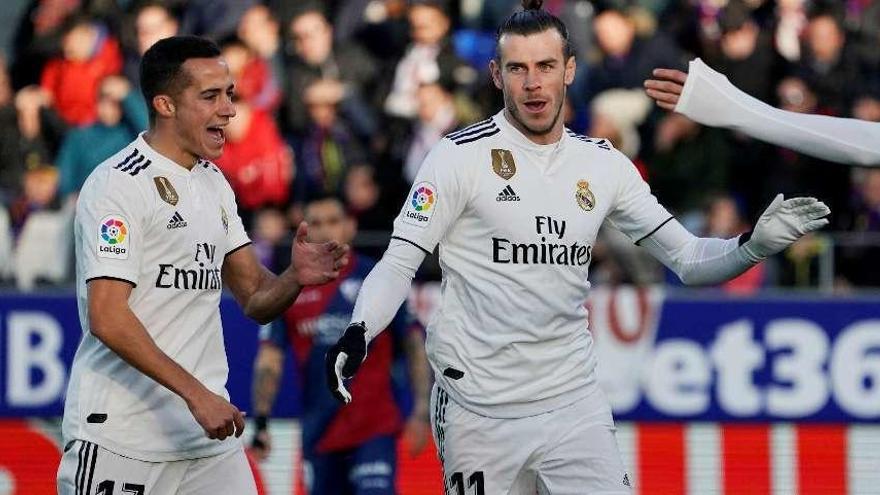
(781, 224)
(344, 359)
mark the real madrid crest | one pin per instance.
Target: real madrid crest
(225, 219)
(503, 164)
(166, 190)
(585, 198)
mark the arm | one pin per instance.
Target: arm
(264, 295)
(113, 323)
(417, 425)
(707, 97)
(703, 261)
(382, 293)
(267, 375)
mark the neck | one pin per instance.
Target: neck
(549, 137)
(166, 145)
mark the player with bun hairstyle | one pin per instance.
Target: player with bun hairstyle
(515, 204)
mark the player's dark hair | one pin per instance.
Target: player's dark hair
(532, 20)
(162, 66)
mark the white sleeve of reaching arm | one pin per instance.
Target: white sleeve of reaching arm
(387, 286)
(697, 260)
(710, 99)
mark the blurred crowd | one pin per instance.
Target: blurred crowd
(346, 97)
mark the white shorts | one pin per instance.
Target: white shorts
(89, 469)
(568, 451)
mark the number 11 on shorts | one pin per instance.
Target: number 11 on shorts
(475, 480)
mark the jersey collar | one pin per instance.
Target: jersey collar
(161, 161)
(512, 134)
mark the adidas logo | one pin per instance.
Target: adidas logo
(626, 480)
(507, 194)
(176, 222)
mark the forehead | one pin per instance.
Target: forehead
(547, 44)
(207, 73)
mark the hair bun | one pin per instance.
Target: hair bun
(532, 4)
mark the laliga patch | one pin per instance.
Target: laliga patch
(113, 237)
(421, 205)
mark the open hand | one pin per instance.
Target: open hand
(784, 222)
(666, 88)
(316, 262)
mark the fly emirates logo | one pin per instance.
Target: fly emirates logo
(550, 247)
(204, 276)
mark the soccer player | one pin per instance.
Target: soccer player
(157, 237)
(706, 96)
(351, 449)
(515, 203)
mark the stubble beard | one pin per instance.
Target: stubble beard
(514, 112)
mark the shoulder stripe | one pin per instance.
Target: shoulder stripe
(453, 135)
(487, 127)
(137, 170)
(135, 162)
(601, 143)
(496, 130)
(127, 159)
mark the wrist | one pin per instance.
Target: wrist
(261, 422)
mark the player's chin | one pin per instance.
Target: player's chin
(211, 150)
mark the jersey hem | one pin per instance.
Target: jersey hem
(105, 277)
(117, 449)
(248, 243)
(649, 234)
(411, 242)
(523, 410)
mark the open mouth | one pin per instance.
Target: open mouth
(217, 134)
(535, 106)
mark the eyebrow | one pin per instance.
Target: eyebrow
(208, 91)
(548, 61)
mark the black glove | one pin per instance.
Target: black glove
(344, 359)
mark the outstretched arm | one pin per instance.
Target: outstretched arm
(382, 293)
(707, 97)
(704, 261)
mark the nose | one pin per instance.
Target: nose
(532, 81)
(227, 108)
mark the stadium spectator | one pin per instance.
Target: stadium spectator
(38, 38)
(317, 57)
(153, 21)
(215, 19)
(254, 82)
(256, 160)
(436, 116)
(429, 57)
(30, 133)
(745, 54)
(121, 116)
(89, 54)
(39, 193)
(351, 449)
(828, 65)
(260, 31)
(724, 219)
(627, 58)
(329, 147)
(860, 261)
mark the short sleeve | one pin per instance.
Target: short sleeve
(435, 201)
(236, 236)
(110, 224)
(636, 212)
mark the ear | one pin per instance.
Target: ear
(495, 71)
(570, 69)
(164, 105)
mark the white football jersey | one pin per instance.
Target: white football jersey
(516, 223)
(166, 230)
